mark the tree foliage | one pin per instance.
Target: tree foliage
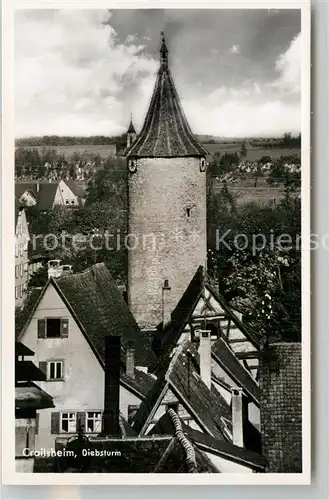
(257, 264)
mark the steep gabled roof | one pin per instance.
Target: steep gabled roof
(75, 188)
(225, 449)
(46, 195)
(99, 309)
(166, 339)
(165, 132)
(181, 375)
(228, 360)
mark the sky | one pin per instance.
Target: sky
(83, 72)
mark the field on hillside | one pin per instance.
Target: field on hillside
(108, 150)
(245, 192)
(253, 154)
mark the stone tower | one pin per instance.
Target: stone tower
(167, 205)
(131, 133)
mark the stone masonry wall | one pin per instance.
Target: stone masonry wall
(169, 240)
(281, 407)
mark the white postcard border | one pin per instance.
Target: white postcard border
(9, 475)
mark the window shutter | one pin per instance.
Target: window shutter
(37, 423)
(43, 367)
(64, 327)
(54, 422)
(81, 420)
(41, 328)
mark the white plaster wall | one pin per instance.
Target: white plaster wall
(83, 387)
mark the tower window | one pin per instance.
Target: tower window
(188, 212)
(202, 164)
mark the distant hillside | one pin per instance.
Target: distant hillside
(287, 140)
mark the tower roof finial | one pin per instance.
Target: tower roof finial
(163, 50)
(131, 128)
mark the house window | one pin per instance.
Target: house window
(93, 421)
(67, 202)
(16, 292)
(68, 422)
(72, 202)
(21, 266)
(16, 271)
(53, 327)
(55, 370)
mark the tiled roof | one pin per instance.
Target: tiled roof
(136, 455)
(228, 360)
(23, 315)
(44, 192)
(225, 449)
(206, 443)
(102, 310)
(45, 196)
(142, 382)
(166, 339)
(21, 187)
(165, 132)
(75, 188)
(182, 376)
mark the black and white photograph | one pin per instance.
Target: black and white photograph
(160, 168)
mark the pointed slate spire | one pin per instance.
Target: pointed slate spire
(165, 133)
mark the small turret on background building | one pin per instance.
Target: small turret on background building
(131, 133)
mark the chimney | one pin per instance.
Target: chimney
(166, 309)
(205, 356)
(112, 386)
(130, 361)
(239, 416)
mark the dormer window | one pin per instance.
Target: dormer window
(202, 164)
